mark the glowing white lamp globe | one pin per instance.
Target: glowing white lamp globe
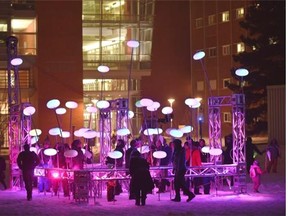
(55, 131)
(241, 72)
(35, 132)
(123, 132)
(65, 134)
(186, 129)
(91, 109)
(215, 151)
(102, 104)
(176, 133)
(155, 105)
(192, 102)
(52, 104)
(115, 154)
(167, 110)
(28, 111)
(71, 104)
(143, 149)
(34, 140)
(70, 153)
(133, 43)
(149, 131)
(90, 134)
(138, 104)
(103, 69)
(199, 55)
(205, 149)
(50, 152)
(60, 111)
(158, 131)
(159, 154)
(16, 61)
(145, 102)
(130, 114)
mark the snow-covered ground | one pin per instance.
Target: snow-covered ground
(270, 201)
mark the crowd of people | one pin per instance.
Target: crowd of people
(178, 155)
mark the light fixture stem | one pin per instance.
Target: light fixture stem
(206, 78)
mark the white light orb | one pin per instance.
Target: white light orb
(115, 154)
(90, 134)
(102, 104)
(91, 109)
(35, 132)
(145, 102)
(55, 131)
(52, 104)
(133, 43)
(28, 111)
(159, 154)
(167, 110)
(176, 133)
(123, 132)
(103, 69)
(71, 104)
(241, 72)
(186, 129)
(199, 55)
(215, 151)
(16, 61)
(130, 114)
(60, 111)
(70, 153)
(65, 134)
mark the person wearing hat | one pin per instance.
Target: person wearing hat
(27, 161)
(255, 175)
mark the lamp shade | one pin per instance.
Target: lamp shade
(215, 151)
(16, 61)
(28, 111)
(115, 154)
(159, 154)
(89, 134)
(35, 132)
(241, 72)
(70, 153)
(146, 102)
(167, 110)
(133, 43)
(103, 69)
(176, 133)
(55, 131)
(186, 129)
(52, 104)
(123, 132)
(102, 104)
(50, 152)
(71, 104)
(60, 111)
(199, 55)
(91, 109)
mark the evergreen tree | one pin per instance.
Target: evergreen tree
(264, 58)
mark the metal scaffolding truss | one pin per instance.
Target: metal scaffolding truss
(237, 102)
(119, 109)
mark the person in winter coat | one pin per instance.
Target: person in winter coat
(255, 175)
(179, 170)
(27, 161)
(141, 181)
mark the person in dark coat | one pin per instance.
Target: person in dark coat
(27, 161)
(250, 150)
(2, 172)
(141, 181)
(179, 170)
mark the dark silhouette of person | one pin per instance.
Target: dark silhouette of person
(179, 170)
(228, 153)
(78, 161)
(129, 151)
(141, 181)
(250, 150)
(27, 161)
(2, 172)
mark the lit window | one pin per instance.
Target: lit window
(225, 16)
(213, 84)
(211, 19)
(226, 50)
(212, 52)
(25, 30)
(240, 47)
(199, 22)
(3, 26)
(200, 85)
(239, 13)
(227, 117)
(226, 82)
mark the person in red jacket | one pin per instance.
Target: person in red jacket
(196, 161)
(255, 174)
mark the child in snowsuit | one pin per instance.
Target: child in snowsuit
(255, 174)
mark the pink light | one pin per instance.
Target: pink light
(55, 174)
(16, 61)
(133, 43)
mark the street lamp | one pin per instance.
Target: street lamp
(171, 101)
